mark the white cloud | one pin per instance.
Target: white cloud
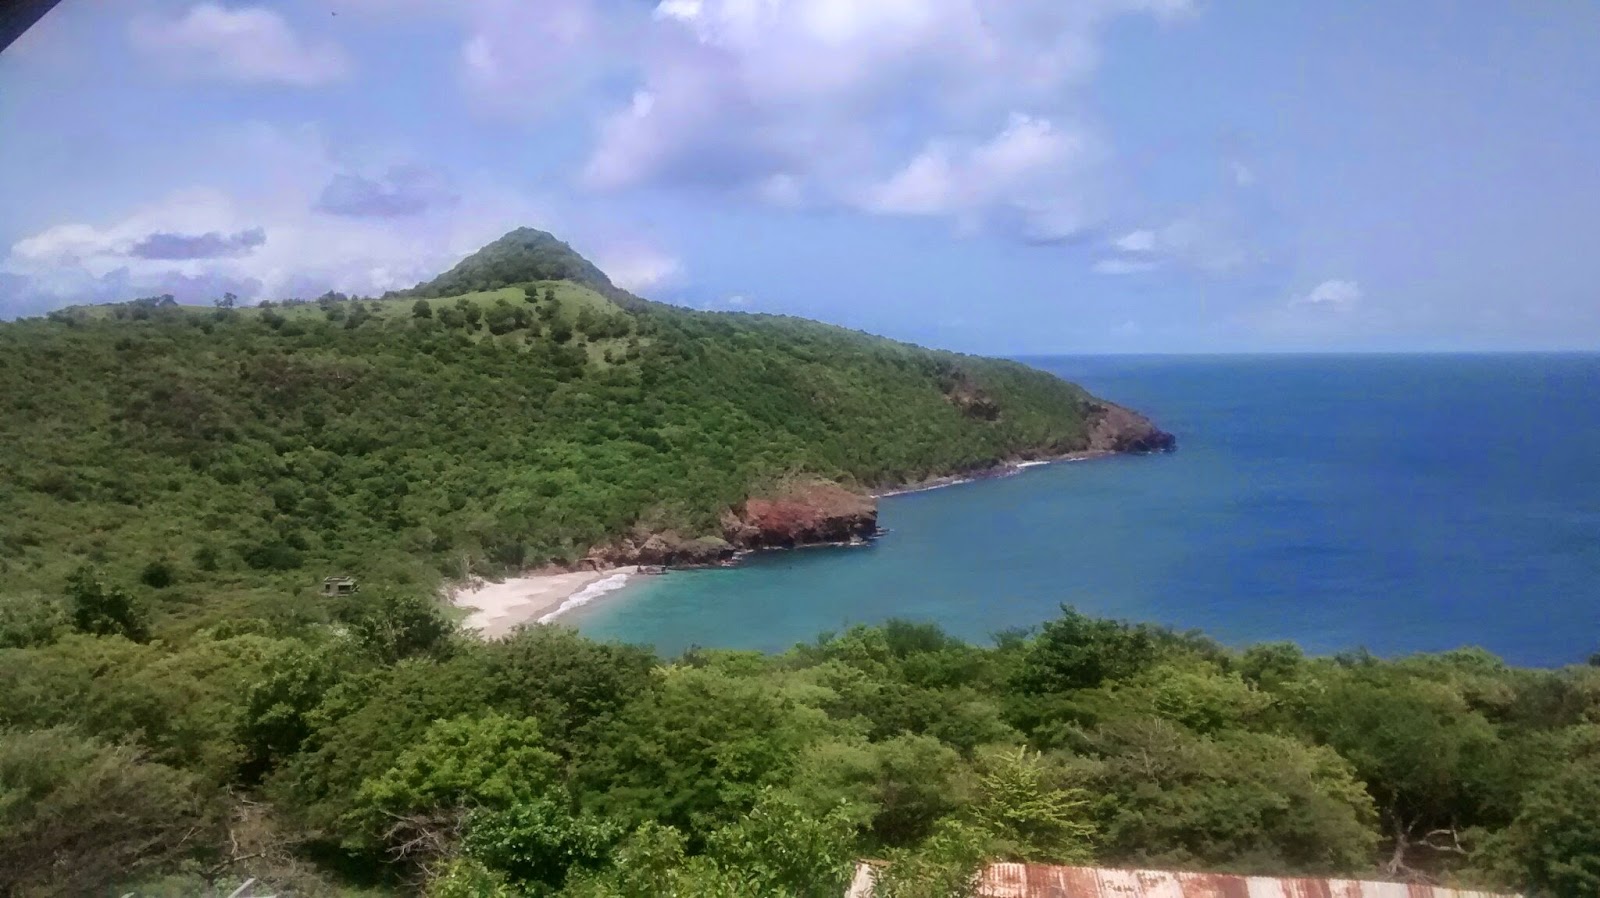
(884, 105)
(248, 44)
(1123, 266)
(1333, 294)
(519, 57)
(633, 266)
(1243, 175)
(268, 241)
(1136, 242)
(1028, 169)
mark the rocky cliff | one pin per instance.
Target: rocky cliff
(1113, 428)
(806, 513)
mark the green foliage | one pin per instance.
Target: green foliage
(77, 815)
(467, 878)
(391, 625)
(698, 752)
(30, 620)
(1029, 817)
(1429, 759)
(101, 609)
(781, 849)
(945, 866)
(1079, 652)
(546, 763)
(278, 706)
(539, 841)
(1552, 847)
(489, 760)
(1246, 801)
(899, 788)
(158, 574)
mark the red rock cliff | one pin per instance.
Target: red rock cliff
(802, 514)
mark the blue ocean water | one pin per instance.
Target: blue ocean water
(1396, 503)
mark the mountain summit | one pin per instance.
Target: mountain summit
(522, 255)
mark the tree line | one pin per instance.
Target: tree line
(382, 752)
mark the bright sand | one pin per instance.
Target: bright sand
(498, 608)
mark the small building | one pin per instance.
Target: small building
(1043, 881)
(335, 587)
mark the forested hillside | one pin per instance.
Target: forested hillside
(217, 459)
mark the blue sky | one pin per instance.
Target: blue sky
(1005, 176)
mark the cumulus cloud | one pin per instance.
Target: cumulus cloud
(883, 106)
(1026, 168)
(248, 44)
(210, 245)
(1333, 294)
(264, 241)
(402, 190)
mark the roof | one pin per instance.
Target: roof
(1041, 881)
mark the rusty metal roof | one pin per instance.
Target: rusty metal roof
(1041, 881)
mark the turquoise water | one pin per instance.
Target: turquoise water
(1397, 503)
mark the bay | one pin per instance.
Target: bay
(1393, 503)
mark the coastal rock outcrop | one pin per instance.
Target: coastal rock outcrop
(665, 549)
(809, 513)
(1113, 428)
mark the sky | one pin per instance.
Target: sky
(998, 176)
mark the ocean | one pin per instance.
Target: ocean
(1393, 503)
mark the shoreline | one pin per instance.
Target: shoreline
(1004, 469)
(497, 608)
(534, 597)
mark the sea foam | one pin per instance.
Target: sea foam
(588, 594)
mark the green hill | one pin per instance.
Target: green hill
(522, 255)
(243, 455)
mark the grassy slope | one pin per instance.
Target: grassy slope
(258, 453)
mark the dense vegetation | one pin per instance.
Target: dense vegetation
(216, 459)
(179, 712)
(388, 756)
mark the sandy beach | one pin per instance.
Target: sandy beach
(498, 608)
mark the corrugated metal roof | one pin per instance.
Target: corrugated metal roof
(1041, 881)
